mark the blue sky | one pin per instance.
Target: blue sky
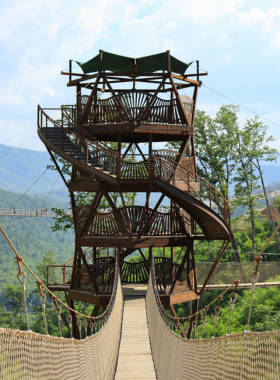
(237, 42)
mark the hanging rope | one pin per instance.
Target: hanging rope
(218, 310)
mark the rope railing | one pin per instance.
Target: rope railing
(238, 356)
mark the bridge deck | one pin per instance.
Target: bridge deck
(135, 357)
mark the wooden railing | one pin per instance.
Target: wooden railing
(134, 107)
(104, 223)
(59, 275)
(134, 273)
(75, 141)
(193, 184)
(102, 271)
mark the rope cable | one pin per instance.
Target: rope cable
(248, 109)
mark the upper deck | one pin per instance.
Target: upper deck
(145, 100)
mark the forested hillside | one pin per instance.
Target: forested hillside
(31, 237)
(23, 167)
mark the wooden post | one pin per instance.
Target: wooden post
(70, 70)
(119, 144)
(100, 60)
(118, 256)
(150, 255)
(94, 256)
(150, 144)
(168, 61)
(62, 132)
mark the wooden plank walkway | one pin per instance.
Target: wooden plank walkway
(135, 357)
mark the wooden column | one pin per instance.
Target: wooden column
(94, 255)
(150, 255)
(119, 144)
(150, 144)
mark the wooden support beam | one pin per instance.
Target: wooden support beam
(117, 216)
(89, 102)
(117, 100)
(143, 215)
(57, 167)
(143, 256)
(177, 321)
(127, 149)
(90, 214)
(146, 111)
(76, 332)
(180, 270)
(152, 215)
(183, 148)
(179, 102)
(179, 255)
(93, 281)
(140, 151)
(216, 262)
(186, 79)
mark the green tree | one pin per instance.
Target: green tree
(14, 300)
(259, 150)
(215, 141)
(245, 177)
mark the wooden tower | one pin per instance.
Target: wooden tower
(141, 102)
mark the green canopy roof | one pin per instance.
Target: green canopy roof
(119, 64)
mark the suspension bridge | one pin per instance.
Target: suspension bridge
(29, 213)
(129, 333)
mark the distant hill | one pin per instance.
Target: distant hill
(23, 167)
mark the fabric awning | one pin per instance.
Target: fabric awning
(119, 64)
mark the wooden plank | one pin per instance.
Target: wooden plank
(135, 357)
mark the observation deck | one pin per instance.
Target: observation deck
(131, 102)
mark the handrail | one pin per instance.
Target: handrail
(193, 184)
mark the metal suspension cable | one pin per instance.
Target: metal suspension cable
(234, 250)
(248, 109)
(37, 215)
(39, 128)
(24, 194)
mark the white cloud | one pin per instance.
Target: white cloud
(37, 38)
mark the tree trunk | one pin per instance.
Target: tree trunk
(253, 236)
